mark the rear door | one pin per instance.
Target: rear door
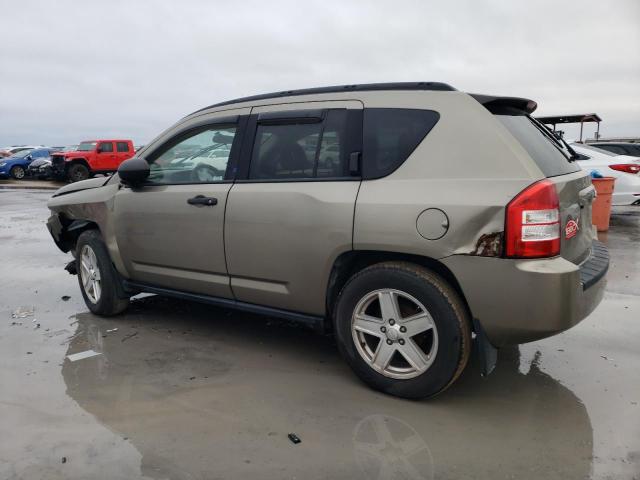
(290, 213)
(575, 191)
(123, 152)
(170, 231)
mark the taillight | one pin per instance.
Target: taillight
(626, 167)
(532, 228)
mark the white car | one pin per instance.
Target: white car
(624, 168)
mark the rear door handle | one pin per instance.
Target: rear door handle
(202, 200)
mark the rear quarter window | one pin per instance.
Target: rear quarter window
(390, 136)
(547, 154)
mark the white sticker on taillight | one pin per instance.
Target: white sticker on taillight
(540, 216)
(540, 225)
(539, 233)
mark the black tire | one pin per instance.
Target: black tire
(78, 172)
(17, 172)
(446, 308)
(108, 303)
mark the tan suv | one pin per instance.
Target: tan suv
(406, 218)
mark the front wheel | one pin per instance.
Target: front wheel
(78, 172)
(403, 329)
(97, 276)
(17, 172)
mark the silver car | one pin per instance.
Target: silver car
(407, 219)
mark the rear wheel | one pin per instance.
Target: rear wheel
(78, 172)
(403, 329)
(17, 172)
(97, 276)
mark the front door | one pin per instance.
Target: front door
(170, 231)
(105, 158)
(290, 212)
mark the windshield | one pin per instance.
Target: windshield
(86, 146)
(552, 156)
(22, 153)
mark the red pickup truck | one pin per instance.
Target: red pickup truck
(91, 157)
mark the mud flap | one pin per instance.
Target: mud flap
(487, 353)
(71, 267)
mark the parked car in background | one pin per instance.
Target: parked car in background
(90, 158)
(394, 239)
(16, 165)
(619, 148)
(624, 168)
(40, 169)
(8, 151)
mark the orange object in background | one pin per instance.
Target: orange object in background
(602, 204)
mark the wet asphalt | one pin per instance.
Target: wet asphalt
(186, 391)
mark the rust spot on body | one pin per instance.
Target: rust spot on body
(489, 245)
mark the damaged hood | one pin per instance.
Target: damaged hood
(83, 185)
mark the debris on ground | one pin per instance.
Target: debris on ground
(127, 337)
(82, 355)
(37, 326)
(65, 298)
(23, 312)
(64, 459)
(294, 438)
(112, 330)
(16, 323)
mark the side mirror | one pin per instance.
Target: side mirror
(29, 157)
(134, 171)
(98, 150)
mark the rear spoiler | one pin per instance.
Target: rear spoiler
(505, 104)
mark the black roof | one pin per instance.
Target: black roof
(496, 104)
(340, 88)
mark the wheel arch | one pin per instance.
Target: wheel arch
(71, 230)
(349, 263)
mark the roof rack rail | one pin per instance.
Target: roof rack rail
(340, 88)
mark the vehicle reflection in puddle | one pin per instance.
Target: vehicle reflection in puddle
(202, 392)
(387, 447)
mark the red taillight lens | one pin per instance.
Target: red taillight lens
(532, 228)
(626, 167)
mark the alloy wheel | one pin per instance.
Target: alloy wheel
(394, 333)
(90, 274)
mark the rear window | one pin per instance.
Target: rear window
(391, 135)
(548, 153)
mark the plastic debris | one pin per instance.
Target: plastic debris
(23, 312)
(112, 330)
(82, 355)
(294, 438)
(127, 337)
(65, 298)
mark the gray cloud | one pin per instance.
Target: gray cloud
(73, 70)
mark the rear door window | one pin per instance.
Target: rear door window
(106, 147)
(122, 146)
(548, 153)
(391, 135)
(297, 149)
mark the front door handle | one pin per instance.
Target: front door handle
(202, 200)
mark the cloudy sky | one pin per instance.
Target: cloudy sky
(73, 70)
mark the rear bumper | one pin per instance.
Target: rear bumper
(519, 301)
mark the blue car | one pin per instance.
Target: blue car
(16, 165)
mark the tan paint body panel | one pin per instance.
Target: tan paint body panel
(165, 241)
(282, 240)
